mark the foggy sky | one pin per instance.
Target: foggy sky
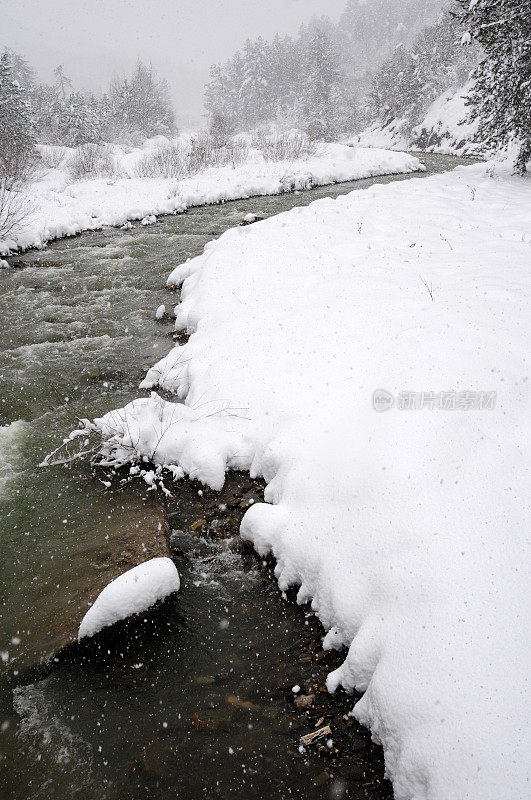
(95, 39)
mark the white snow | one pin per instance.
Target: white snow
(406, 530)
(130, 593)
(161, 310)
(63, 208)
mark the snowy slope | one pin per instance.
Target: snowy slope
(406, 529)
(63, 208)
(444, 129)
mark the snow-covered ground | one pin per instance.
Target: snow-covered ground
(444, 129)
(62, 207)
(406, 530)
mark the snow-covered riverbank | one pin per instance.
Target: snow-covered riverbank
(405, 529)
(62, 207)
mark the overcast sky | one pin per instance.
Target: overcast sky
(95, 39)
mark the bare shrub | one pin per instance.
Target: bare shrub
(166, 161)
(15, 207)
(285, 146)
(233, 152)
(179, 160)
(52, 157)
(18, 168)
(92, 161)
(201, 153)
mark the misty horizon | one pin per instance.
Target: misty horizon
(181, 43)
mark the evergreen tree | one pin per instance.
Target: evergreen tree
(501, 96)
(45, 109)
(21, 71)
(142, 104)
(62, 81)
(256, 94)
(322, 97)
(17, 144)
(222, 94)
(77, 121)
(294, 82)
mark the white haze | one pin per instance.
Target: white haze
(181, 38)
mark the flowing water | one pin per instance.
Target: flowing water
(78, 331)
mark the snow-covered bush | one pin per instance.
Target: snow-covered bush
(285, 146)
(165, 161)
(92, 161)
(206, 151)
(233, 152)
(52, 157)
(180, 159)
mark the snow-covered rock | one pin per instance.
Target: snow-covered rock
(161, 310)
(130, 593)
(149, 220)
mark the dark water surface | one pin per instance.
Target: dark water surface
(194, 702)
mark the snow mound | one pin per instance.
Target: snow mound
(130, 593)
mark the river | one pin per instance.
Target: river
(196, 701)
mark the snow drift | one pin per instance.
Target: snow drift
(130, 593)
(406, 530)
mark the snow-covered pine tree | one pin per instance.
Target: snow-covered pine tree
(77, 122)
(222, 95)
(17, 144)
(256, 95)
(368, 32)
(45, 110)
(17, 150)
(63, 83)
(285, 58)
(142, 104)
(322, 89)
(501, 96)
(21, 71)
